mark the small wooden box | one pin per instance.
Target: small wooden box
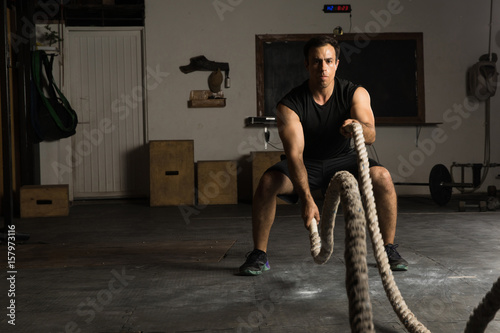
(171, 172)
(261, 161)
(201, 99)
(44, 200)
(217, 182)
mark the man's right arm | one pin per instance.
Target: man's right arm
(292, 137)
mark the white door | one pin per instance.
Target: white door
(104, 84)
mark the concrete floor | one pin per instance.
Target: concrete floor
(454, 260)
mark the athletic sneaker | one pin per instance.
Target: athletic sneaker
(395, 261)
(255, 264)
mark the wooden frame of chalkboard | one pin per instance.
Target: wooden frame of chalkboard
(389, 65)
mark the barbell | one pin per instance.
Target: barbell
(440, 184)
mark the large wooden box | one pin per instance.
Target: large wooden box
(217, 182)
(171, 172)
(44, 200)
(261, 161)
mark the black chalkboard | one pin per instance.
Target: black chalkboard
(389, 66)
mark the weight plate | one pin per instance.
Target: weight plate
(440, 175)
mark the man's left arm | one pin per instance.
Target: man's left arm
(361, 112)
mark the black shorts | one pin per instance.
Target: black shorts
(320, 172)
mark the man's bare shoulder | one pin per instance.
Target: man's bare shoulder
(285, 115)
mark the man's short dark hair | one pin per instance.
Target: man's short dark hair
(320, 41)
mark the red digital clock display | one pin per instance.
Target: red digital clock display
(337, 8)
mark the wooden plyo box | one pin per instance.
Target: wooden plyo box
(171, 172)
(261, 161)
(44, 200)
(217, 182)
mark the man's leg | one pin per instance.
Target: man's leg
(386, 201)
(271, 184)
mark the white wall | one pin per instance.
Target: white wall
(455, 35)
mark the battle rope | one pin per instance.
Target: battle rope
(485, 311)
(344, 187)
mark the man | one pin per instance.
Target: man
(312, 123)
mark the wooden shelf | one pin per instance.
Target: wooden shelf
(207, 103)
(408, 124)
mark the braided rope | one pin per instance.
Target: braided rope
(485, 311)
(360, 316)
(391, 289)
(344, 188)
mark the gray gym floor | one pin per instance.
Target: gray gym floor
(454, 260)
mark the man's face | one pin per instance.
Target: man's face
(322, 66)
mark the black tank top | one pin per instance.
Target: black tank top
(321, 123)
